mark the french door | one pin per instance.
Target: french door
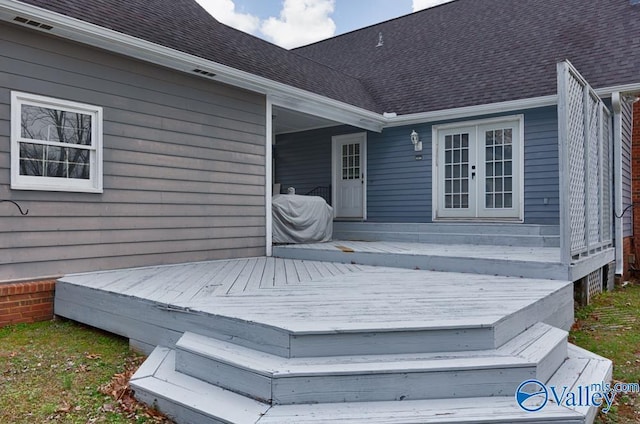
(478, 170)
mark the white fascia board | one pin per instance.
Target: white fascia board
(283, 94)
(608, 92)
(469, 111)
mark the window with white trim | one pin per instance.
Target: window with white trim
(56, 145)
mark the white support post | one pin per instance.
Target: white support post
(586, 148)
(563, 147)
(268, 177)
(601, 180)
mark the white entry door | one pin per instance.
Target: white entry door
(349, 170)
(478, 171)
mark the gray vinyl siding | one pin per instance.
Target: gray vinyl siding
(183, 172)
(627, 129)
(399, 186)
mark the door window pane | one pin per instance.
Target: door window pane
(498, 168)
(456, 171)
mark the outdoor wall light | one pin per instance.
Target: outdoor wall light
(415, 140)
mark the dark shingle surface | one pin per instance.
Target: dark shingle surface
(183, 25)
(463, 53)
(471, 52)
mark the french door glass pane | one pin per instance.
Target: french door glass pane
(456, 170)
(499, 168)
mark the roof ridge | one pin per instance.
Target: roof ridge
(373, 25)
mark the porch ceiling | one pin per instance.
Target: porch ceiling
(288, 121)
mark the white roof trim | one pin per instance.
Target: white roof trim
(468, 111)
(97, 36)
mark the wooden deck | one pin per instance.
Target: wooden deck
(308, 297)
(285, 340)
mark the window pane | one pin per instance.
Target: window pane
(465, 140)
(498, 137)
(508, 200)
(456, 141)
(41, 123)
(447, 142)
(31, 151)
(508, 184)
(508, 136)
(489, 154)
(508, 168)
(498, 169)
(498, 153)
(489, 138)
(489, 185)
(489, 201)
(31, 159)
(508, 152)
(32, 167)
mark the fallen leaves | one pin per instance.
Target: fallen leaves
(125, 402)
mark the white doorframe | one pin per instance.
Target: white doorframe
(477, 125)
(363, 171)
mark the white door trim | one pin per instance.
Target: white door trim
(363, 162)
(478, 124)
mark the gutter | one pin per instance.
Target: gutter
(616, 102)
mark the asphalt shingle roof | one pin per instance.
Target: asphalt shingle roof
(471, 52)
(463, 53)
(183, 25)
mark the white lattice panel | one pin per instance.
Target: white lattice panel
(593, 171)
(594, 283)
(576, 146)
(586, 174)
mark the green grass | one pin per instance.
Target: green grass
(53, 372)
(610, 327)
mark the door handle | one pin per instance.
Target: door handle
(473, 172)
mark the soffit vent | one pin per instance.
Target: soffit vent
(33, 23)
(205, 73)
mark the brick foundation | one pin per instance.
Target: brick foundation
(26, 302)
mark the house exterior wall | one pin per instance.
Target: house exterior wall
(399, 186)
(635, 190)
(627, 128)
(184, 165)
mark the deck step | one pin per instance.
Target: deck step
(455, 238)
(536, 353)
(190, 400)
(503, 234)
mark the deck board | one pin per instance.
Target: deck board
(296, 295)
(519, 253)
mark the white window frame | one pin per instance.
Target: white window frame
(29, 182)
(477, 126)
